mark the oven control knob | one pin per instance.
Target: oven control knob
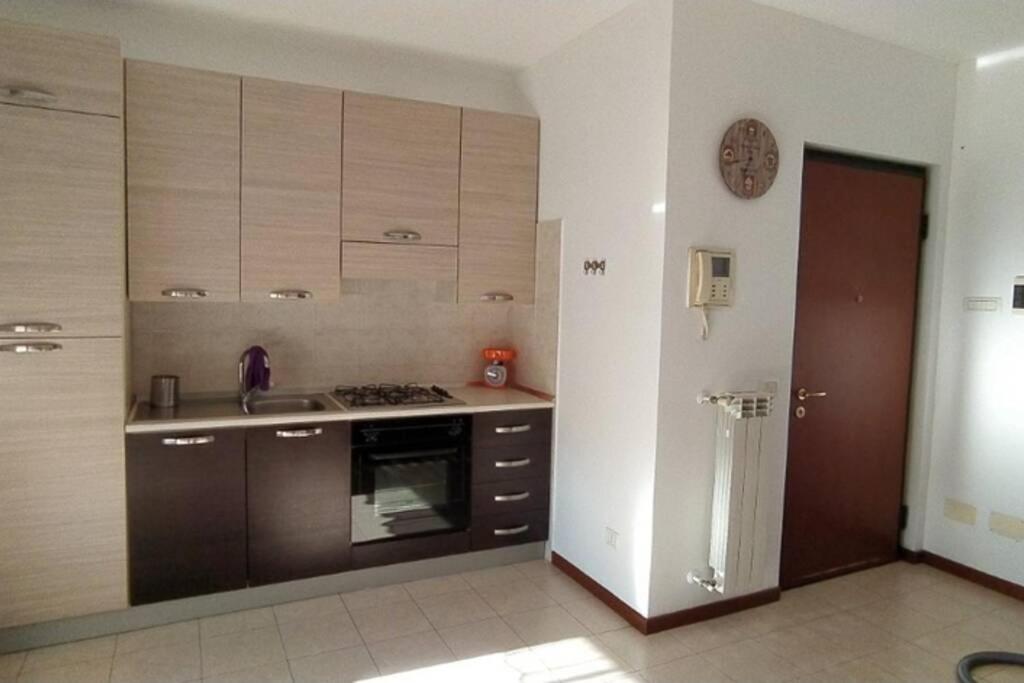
(371, 435)
(456, 430)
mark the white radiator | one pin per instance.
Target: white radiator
(736, 556)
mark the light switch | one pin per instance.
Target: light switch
(982, 304)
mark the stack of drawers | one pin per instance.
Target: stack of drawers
(511, 476)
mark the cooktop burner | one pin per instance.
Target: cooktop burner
(393, 395)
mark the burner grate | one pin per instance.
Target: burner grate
(383, 395)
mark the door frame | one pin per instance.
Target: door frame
(871, 163)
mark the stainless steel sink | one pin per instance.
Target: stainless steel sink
(283, 404)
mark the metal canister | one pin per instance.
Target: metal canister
(163, 391)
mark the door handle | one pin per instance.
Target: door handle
(298, 433)
(512, 429)
(30, 347)
(802, 394)
(503, 464)
(512, 531)
(188, 440)
(30, 328)
(511, 497)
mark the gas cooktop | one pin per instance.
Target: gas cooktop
(369, 396)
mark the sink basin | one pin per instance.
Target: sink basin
(284, 404)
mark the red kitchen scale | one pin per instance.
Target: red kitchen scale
(496, 374)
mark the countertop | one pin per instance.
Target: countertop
(223, 412)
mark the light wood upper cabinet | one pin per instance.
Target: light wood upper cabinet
(291, 191)
(183, 148)
(62, 480)
(61, 225)
(498, 206)
(53, 69)
(366, 261)
(400, 171)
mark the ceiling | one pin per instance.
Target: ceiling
(509, 33)
(956, 30)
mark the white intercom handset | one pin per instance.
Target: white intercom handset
(711, 281)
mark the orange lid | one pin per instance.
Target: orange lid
(499, 354)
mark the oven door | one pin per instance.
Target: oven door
(408, 491)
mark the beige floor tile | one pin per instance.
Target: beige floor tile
(246, 620)
(488, 637)
(408, 653)
(390, 621)
(692, 669)
(440, 585)
(911, 664)
(181, 633)
(1008, 675)
(309, 609)
(941, 607)
(595, 615)
(453, 609)
(784, 613)
(973, 594)
(239, 651)
(856, 671)
(558, 654)
(807, 648)
(709, 635)
(375, 597)
(898, 619)
(10, 665)
(535, 568)
(70, 653)
(842, 593)
(493, 575)
(953, 643)
(95, 671)
(275, 672)
(177, 663)
(644, 652)
(515, 596)
(546, 625)
(852, 635)
(1005, 633)
(341, 666)
(601, 670)
(323, 634)
(751, 662)
(561, 588)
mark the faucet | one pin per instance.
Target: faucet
(253, 374)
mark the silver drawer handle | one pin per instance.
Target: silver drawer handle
(25, 347)
(188, 440)
(30, 328)
(403, 236)
(511, 497)
(512, 429)
(512, 530)
(504, 464)
(185, 293)
(496, 296)
(291, 294)
(28, 94)
(299, 433)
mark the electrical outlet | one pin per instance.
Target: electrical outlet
(611, 537)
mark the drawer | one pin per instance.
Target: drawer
(512, 427)
(513, 496)
(528, 461)
(513, 528)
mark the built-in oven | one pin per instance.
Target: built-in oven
(409, 477)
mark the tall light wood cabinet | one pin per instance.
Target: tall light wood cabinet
(498, 207)
(182, 130)
(291, 191)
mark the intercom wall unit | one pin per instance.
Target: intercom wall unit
(712, 272)
(1018, 294)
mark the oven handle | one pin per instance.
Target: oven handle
(411, 455)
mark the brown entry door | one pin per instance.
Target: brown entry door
(856, 300)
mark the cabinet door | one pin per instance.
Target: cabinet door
(291, 191)
(498, 207)
(183, 146)
(365, 261)
(299, 501)
(53, 69)
(62, 520)
(400, 171)
(61, 225)
(186, 514)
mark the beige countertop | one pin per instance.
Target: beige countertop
(223, 412)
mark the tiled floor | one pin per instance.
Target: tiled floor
(528, 623)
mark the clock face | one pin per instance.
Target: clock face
(495, 375)
(749, 158)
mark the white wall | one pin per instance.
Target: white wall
(210, 41)
(603, 104)
(814, 85)
(979, 437)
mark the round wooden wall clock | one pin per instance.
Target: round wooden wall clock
(749, 158)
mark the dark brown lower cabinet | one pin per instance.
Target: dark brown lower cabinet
(186, 514)
(298, 501)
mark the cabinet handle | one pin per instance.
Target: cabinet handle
(291, 294)
(299, 433)
(512, 530)
(403, 236)
(188, 440)
(30, 328)
(27, 94)
(27, 347)
(496, 296)
(512, 429)
(511, 497)
(507, 464)
(185, 293)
